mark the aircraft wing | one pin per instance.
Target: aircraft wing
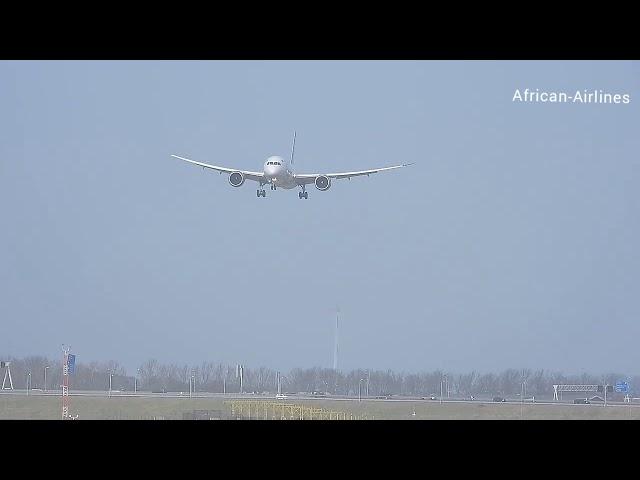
(257, 176)
(306, 178)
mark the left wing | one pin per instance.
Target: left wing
(257, 176)
(306, 178)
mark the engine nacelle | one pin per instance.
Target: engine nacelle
(322, 182)
(236, 179)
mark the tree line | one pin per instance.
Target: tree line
(218, 377)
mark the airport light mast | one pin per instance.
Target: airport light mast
(368, 378)
(7, 372)
(239, 373)
(335, 355)
(335, 350)
(65, 383)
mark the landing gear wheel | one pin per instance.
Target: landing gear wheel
(300, 195)
(306, 195)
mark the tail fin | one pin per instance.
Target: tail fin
(293, 147)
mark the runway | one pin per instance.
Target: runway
(302, 398)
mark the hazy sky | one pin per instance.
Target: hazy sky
(512, 242)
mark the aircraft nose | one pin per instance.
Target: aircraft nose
(271, 170)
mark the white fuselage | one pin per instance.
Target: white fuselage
(278, 172)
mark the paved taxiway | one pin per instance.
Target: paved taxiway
(298, 397)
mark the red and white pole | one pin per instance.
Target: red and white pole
(65, 384)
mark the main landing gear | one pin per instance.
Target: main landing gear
(303, 194)
(261, 193)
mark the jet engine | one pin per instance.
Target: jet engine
(323, 182)
(236, 179)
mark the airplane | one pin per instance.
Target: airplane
(279, 173)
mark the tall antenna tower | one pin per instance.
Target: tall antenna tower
(335, 351)
(7, 371)
(65, 383)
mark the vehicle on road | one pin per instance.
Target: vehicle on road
(281, 396)
(581, 401)
(499, 399)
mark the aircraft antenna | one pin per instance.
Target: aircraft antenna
(293, 147)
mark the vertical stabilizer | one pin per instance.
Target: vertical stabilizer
(293, 147)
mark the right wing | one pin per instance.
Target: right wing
(257, 176)
(306, 178)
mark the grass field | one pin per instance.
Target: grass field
(137, 408)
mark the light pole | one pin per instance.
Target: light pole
(45, 378)
(360, 389)
(441, 380)
(521, 397)
(447, 383)
(29, 384)
(368, 378)
(135, 381)
(110, 376)
(239, 372)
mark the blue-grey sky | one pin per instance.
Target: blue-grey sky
(512, 241)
